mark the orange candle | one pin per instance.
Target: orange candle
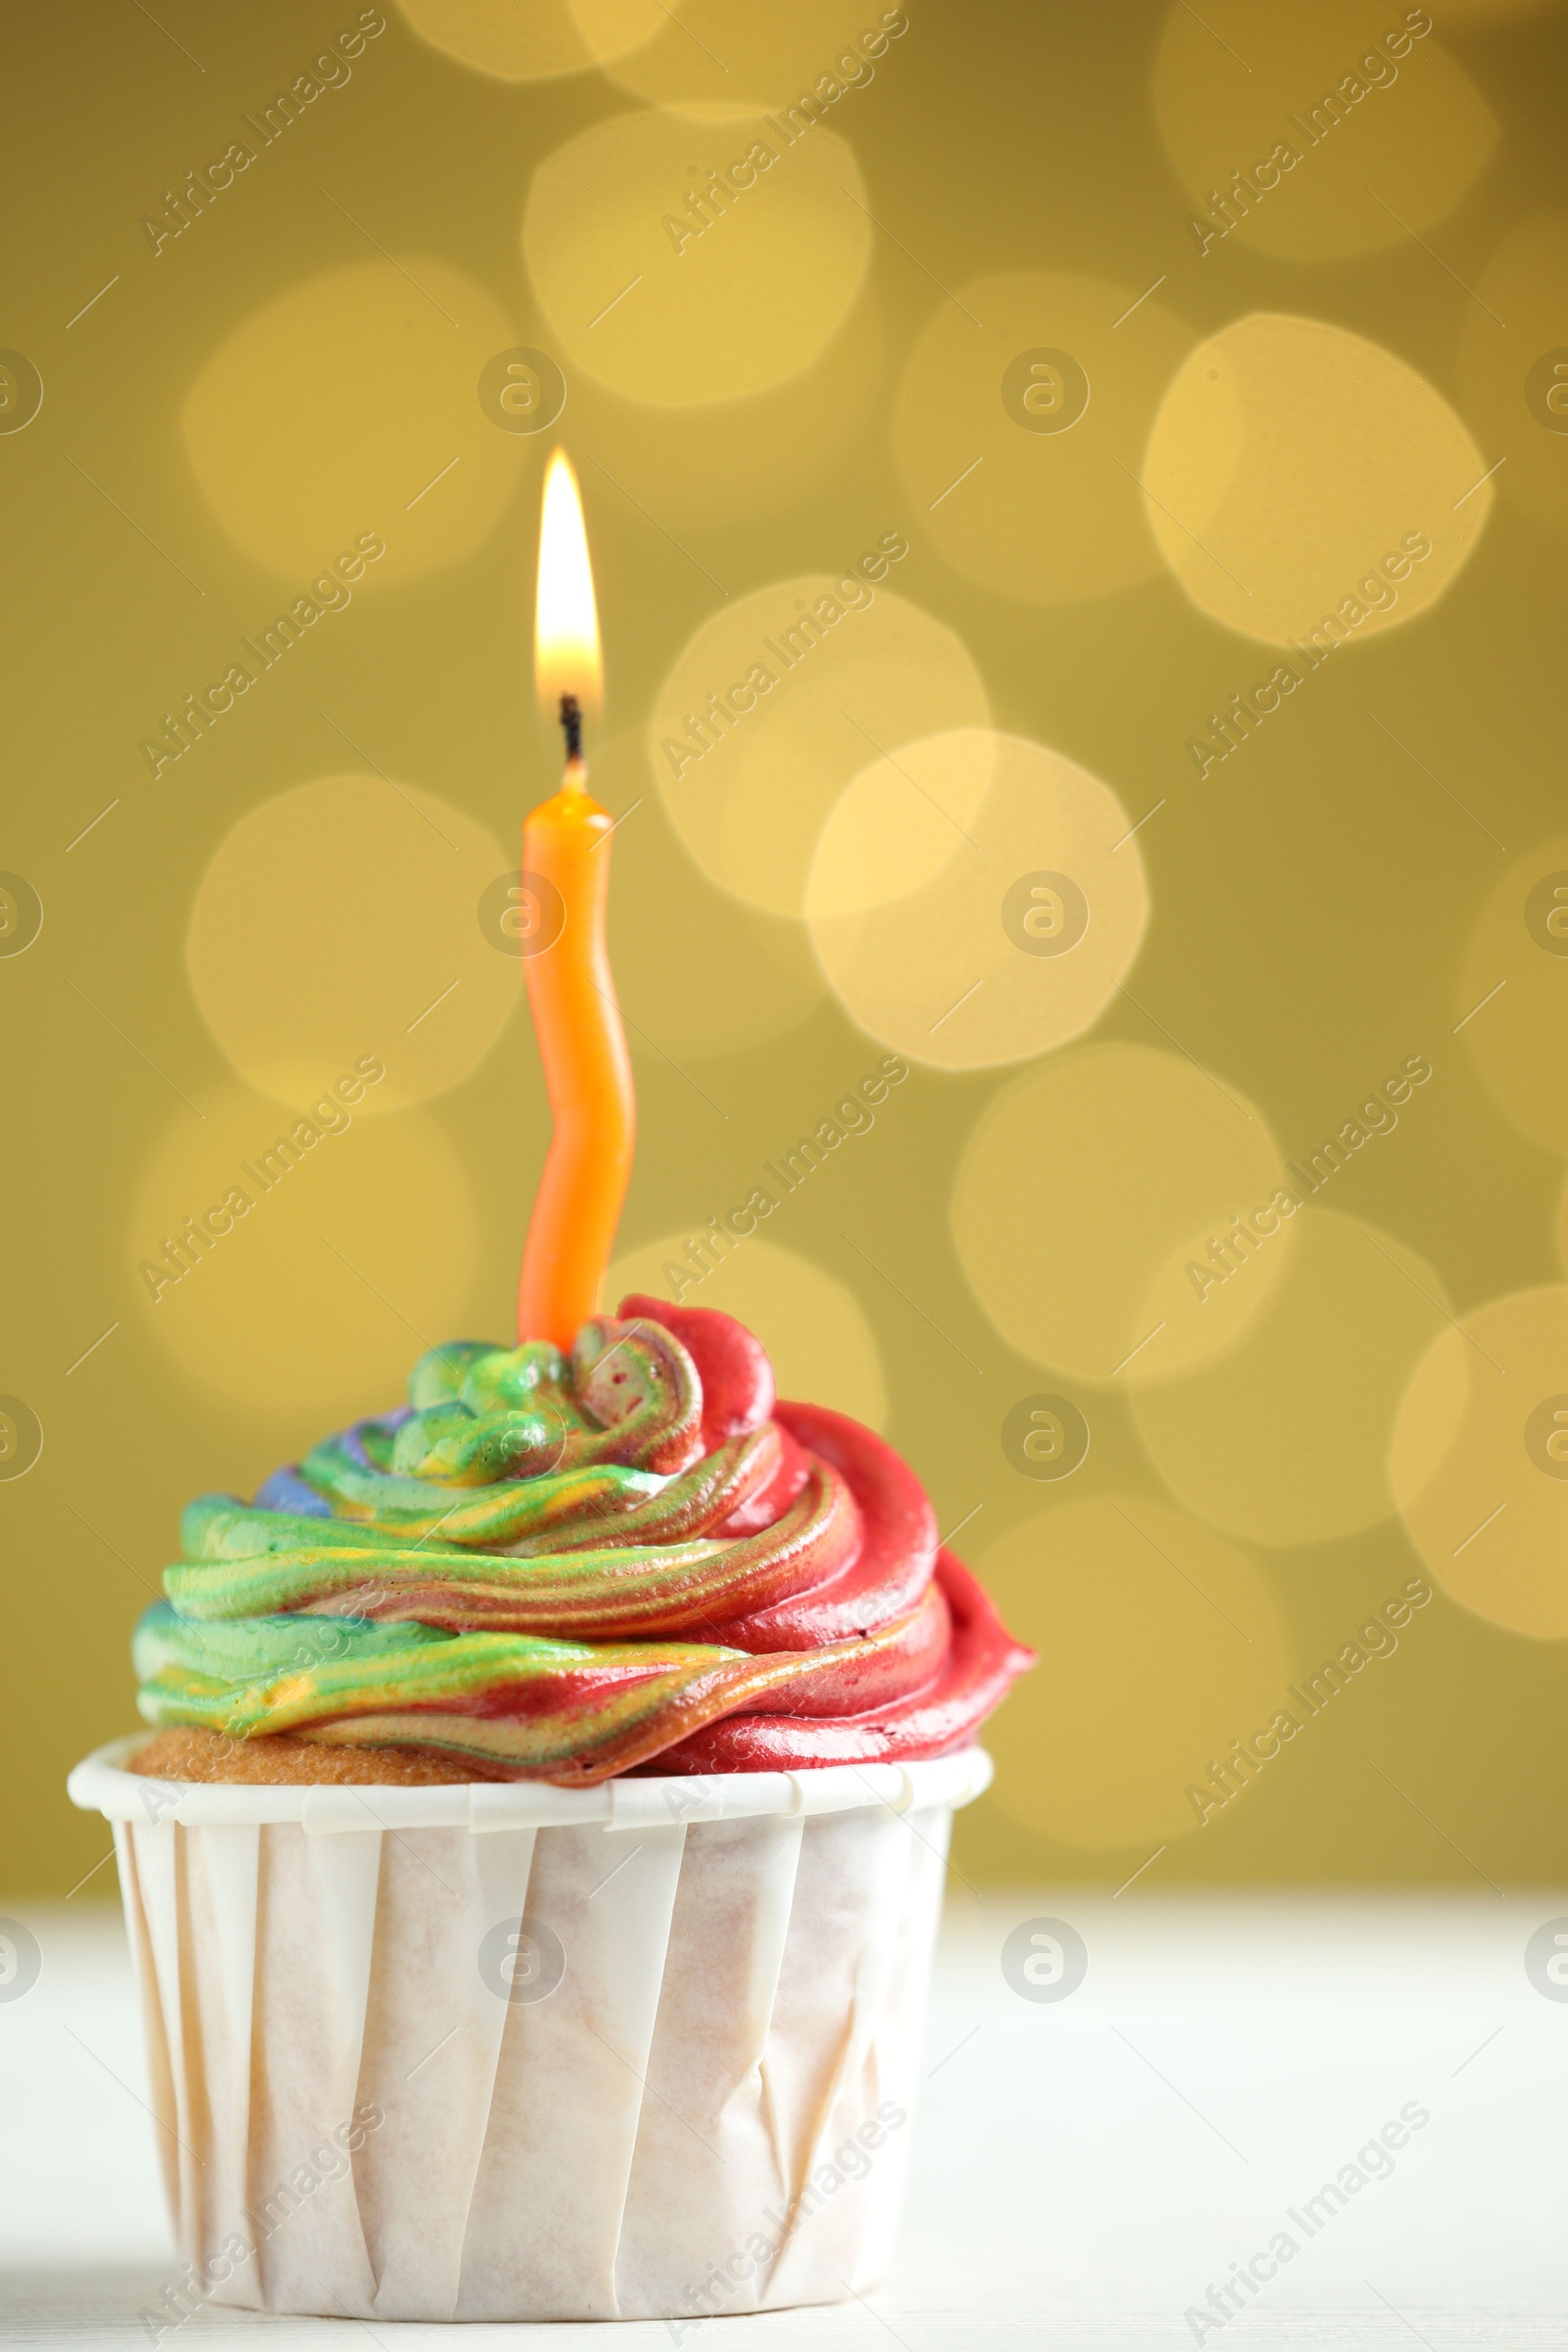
(571, 993)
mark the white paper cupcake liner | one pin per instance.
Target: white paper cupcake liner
(510, 2052)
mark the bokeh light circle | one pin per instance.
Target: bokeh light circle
(340, 920)
(1513, 366)
(1083, 1181)
(1513, 987)
(971, 927)
(356, 1250)
(813, 1326)
(1284, 1437)
(781, 697)
(1144, 1621)
(1020, 415)
(1288, 127)
(329, 412)
(1295, 475)
(1478, 1461)
(533, 40)
(676, 267)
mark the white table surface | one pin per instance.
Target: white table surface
(1083, 2168)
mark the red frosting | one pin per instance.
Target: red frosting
(944, 1659)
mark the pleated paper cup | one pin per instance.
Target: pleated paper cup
(512, 2052)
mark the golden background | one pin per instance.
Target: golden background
(1122, 429)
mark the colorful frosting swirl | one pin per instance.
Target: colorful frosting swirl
(560, 1570)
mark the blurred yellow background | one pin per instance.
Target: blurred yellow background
(1137, 445)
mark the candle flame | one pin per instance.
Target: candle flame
(565, 619)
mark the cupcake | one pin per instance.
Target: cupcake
(533, 1864)
(534, 1867)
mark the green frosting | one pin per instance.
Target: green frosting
(351, 1599)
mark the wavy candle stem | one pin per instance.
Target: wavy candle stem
(582, 1046)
